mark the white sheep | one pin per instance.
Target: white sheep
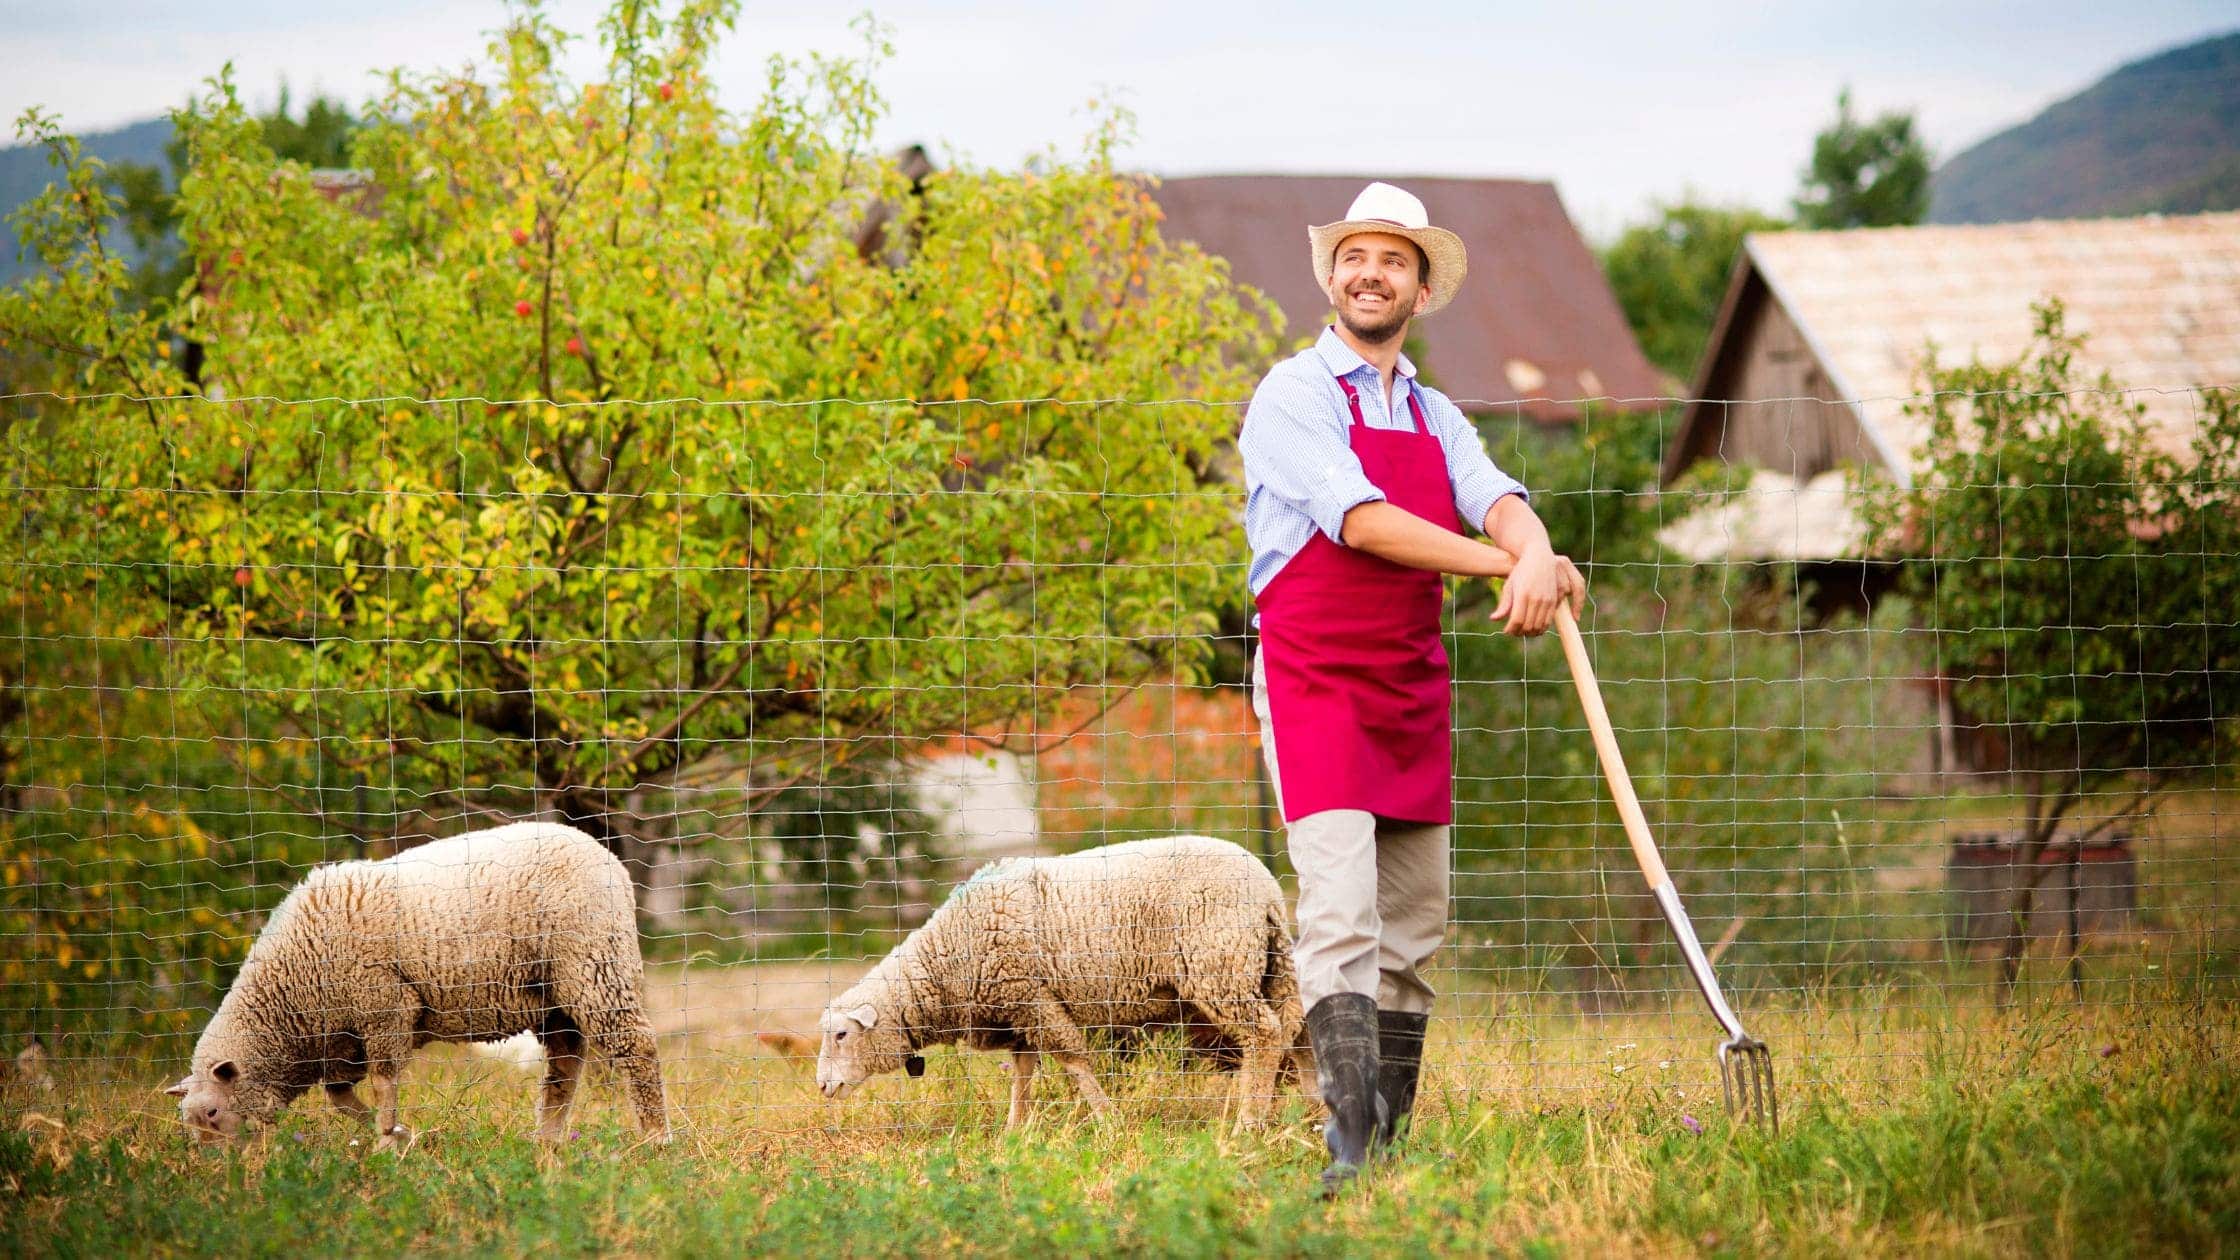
(1031, 951)
(527, 927)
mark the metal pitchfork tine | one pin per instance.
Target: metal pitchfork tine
(1745, 1065)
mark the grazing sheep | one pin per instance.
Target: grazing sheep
(1031, 951)
(523, 1052)
(523, 927)
(27, 1070)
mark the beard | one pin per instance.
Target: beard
(1375, 332)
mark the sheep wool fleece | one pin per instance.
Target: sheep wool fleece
(1030, 951)
(529, 927)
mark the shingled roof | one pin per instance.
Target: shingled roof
(1535, 326)
(2157, 298)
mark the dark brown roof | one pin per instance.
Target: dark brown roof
(1535, 324)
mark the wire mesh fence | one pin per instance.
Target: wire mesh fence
(1908, 744)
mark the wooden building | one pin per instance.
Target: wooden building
(1820, 346)
(1821, 341)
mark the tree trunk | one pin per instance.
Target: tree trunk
(613, 823)
(584, 810)
(2018, 915)
(12, 708)
(2048, 805)
(2076, 918)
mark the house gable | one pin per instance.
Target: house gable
(2156, 298)
(1766, 397)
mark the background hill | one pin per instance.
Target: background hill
(24, 171)
(2158, 135)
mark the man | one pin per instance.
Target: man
(1355, 474)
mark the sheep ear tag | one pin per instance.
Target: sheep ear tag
(915, 1065)
(866, 1015)
(180, 1090)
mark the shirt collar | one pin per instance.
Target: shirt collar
(1343, 361)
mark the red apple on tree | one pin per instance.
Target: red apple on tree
(522, 308)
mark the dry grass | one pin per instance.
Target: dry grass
(1914, 1122)
(1918, 1118)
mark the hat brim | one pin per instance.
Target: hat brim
(1450, 262)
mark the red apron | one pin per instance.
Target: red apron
(1358, 691)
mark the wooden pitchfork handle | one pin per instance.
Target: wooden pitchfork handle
(1636, 824)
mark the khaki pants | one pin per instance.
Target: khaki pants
(1372, 895)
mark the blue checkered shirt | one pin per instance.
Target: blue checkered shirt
(1300, 473)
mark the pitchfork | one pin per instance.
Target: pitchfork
(1745, 1065)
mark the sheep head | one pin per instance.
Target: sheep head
(223, 1102)
(857, 1045)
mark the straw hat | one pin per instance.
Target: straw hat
(1396, 212)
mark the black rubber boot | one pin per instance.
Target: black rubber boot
(1343, 1030)
(1399, 1066)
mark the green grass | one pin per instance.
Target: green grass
(1914, 1123)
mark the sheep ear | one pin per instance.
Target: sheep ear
(225, 1073)
(180, 1090)
(866, 1015)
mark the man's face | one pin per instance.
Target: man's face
(1375, 285)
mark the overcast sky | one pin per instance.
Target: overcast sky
(1620, 104)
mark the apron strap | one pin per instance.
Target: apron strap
(1353, 401)
(1415, 408)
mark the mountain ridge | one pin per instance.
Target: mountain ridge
(24, 171)
(2156, 135)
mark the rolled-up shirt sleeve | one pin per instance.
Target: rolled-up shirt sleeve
(1294, 447)
(1478, 483)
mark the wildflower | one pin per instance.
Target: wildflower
(1690, 1123)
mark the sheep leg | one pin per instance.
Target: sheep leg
(642, 1061)
(1076, 1064)
(1023, 1064)
(603, 994)
(626, 1036)
(344, 1096)
(1051, 1030)
(563, 1071)
(1259, 1035)
(1256, 1086)
(385, 1056)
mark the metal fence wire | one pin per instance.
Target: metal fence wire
(805, 666)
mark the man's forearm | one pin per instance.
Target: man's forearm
(1396, 534)
(1514, 527)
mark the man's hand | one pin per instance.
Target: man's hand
(1541, 580)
